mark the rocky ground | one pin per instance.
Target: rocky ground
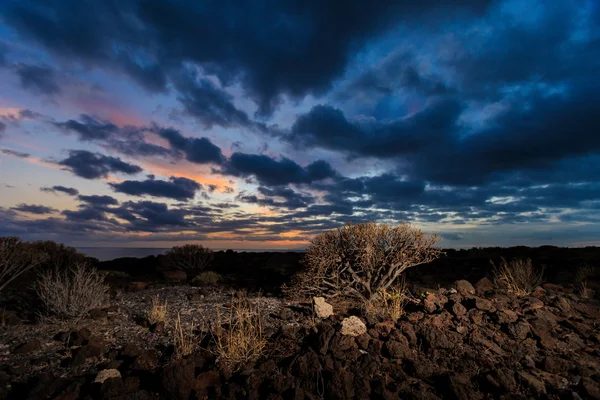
(464, 342)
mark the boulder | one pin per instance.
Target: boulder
(353, 326)
(174, 276)
(107, 374)
(322, 308)
(28, 347)
(484, 285)
(464, 287)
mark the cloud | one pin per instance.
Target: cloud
(175, 188)
(209, 104)
(63, 189)
(290, 198)
(97, 200)
(15, 153)
(2, 128)
(90, 165)
(128, 140)
(34, 209)
(40, 79)
(292, 48)
(196, 150)
(271, 172)
(326, 127)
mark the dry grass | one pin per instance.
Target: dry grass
(239, 338)
(185, 339)
(582, 275)
(518, 276)
(71, 294)
(389, 303)
(158, 311)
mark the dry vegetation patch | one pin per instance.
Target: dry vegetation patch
(518, 276)
(72, 293)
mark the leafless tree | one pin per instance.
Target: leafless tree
(16, 258)
(362, 260)
(189, 256)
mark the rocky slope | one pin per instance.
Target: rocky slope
(460, 343)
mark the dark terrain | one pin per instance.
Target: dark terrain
(455, 341)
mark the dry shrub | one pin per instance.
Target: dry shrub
(16, 258)
(158, 311)
(518, 276)
(239, 339)
(389, 303)
(72, 293)
(361, 260)
(582, 274)
(185, 339)
(189, 256)
(207, 278)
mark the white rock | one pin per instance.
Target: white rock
(107, 374)
(353, 326)
(322, 308)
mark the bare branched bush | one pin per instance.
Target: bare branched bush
(16, 258)
(362, 260)
(157, 312)
(239, 338)
(72, 293)
(59, 256)
(185, 339)
(189, 256)
(389, 303)
(518, 276)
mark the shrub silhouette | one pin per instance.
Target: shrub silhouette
(59, 256)
(189, 256)
(362, 260)
(16, 258)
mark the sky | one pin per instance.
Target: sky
(259, 124)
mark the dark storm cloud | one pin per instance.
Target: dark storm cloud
(15, 153)
(128, 140)
(2, 128)
(38, 78)
(63, 189)
(90, 165)
(288, 47)
(34, 209)
(196, 150)
(175, 188)
(210, 105)
(327, 127)
(291, 199)
(271, 172)
(98, 200)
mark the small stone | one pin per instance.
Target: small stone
(353, 326)
(484, 305)
(458, 309)
(322, 308)
(107, 374)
